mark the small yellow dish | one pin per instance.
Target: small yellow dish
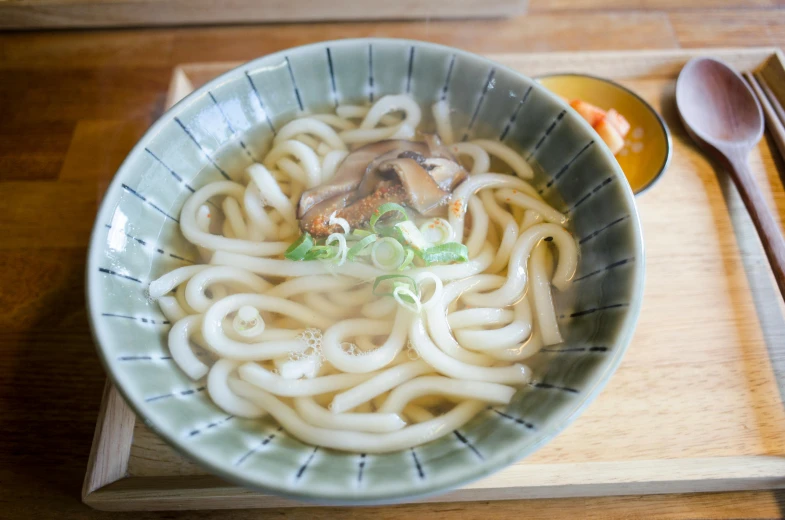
(647, 147)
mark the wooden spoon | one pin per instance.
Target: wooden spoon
(723, 117)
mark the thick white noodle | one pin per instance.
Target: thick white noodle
(331, 162)
(460, 197)
(336, 121)
(378, 384)
(508, 155)
(439, 385)
(238, 279)
(171, 308)
(323, 150)
(260, 377)
(352, 297)
(509, 228)
(172, 279)
(541, 293)
(481, 162)
(257, 216)
(303, 284)
(304, 154)
(310, 126)
(376, 359)
(479, 317)
(380, 308)
(446, 365)
(234, 217)
(441, 115)
(393, 103)
(196, 236)
(479, 231)
(179, 295)
(417, 414)
(203, 219)
(180, 347)
(226, 229)
(295, 187)
(222, 395)
(312, 413)
(359, 112)
(513, 288)
(308, 141)
(438, 327)
(319, 303)
(523, 200)
(212, 328)
(530, 218)
(363, 442)
(524, 351)
(271, 193)
(509, 336)
(368, 131)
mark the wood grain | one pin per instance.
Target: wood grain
(109, 13)
(50, 378)
(733, 28)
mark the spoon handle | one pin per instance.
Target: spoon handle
(768, 229)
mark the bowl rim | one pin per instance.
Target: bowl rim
(445, 482)
(663, 125)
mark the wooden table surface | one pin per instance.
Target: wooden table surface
(72, 104)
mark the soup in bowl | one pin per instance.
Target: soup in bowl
(364, 271)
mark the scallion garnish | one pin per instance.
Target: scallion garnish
(390, 207)
(447, 253)
(360, 248)
(387, 253)
(408, 260)
(385, 285)
(299, 247)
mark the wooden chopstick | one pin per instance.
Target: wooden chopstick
(773, 121)
(773, 99)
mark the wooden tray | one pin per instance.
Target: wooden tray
(696, 404)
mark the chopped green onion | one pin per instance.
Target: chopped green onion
(387, 253)
(411, 235)
(388, 281)
(445, 253)
(390, 207)
(320, 253)
(362, 233)
(299, 248)
(340, 253)
(408, 260)
(338, 221)
(407, 299)
(436, 231)
(359, 249)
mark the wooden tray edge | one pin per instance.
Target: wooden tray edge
(612, 479)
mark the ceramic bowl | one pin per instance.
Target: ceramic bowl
(214, 132)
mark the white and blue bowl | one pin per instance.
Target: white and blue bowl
(218, 130)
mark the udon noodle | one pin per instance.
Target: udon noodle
(373, 314)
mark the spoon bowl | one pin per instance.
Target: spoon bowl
(716, 104)
(723, 117)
